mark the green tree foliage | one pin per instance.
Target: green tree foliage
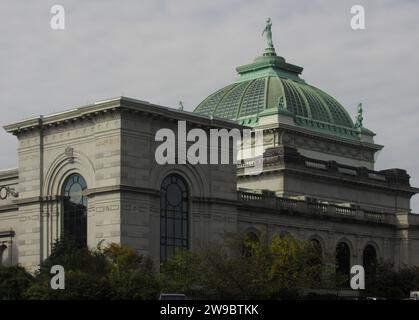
(131, 275)
(67, 253)
(387, 282)
(239, 268)
(13, 282)
(114, 272)
(245, 268)
(79, 285)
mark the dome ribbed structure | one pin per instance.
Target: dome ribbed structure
(271, 85)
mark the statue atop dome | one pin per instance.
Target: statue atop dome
(268, 32)
(359, 117)
(269, 51)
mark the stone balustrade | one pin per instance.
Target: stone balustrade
(267, 199)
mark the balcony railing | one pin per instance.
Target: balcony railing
(269, 200)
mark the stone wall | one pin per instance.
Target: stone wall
(290, 174)
(395, 237)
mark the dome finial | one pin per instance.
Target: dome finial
(269, 50)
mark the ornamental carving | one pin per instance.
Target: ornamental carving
(268, 137)
(69, 153)
(6, 191)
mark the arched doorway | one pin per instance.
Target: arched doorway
(318, 252)
(285, 234)
(343, 263)
(249, 240)
(75, 209)
(3, 248)
(315, 261)
(369, 260)
(174, 216)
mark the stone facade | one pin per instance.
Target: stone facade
(112, 146)
(304, 189)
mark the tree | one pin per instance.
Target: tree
(113, 272)
(390, 283)
(72, 257)
(131, 275)
(244, 268)
(79, 285)
(13, 282)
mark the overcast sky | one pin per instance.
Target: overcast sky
(166, 51)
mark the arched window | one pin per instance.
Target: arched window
(315, 260)
(285, 234)
(318, 252)
(2, 250)
(75, 209)
(250, 239)
(174, 216)
(369, 260)
(343, 262)
(252, 236)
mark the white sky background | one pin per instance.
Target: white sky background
(166, 51)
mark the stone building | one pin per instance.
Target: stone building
(91, 172)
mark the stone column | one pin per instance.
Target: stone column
(402, 240)
(55, 222)
(44, 225)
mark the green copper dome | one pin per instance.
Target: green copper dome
(270, 85)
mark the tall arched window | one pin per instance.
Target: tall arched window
(369, 260)
(2, 250)
(75, 209)
(343, 262)
(315, 261)
(285, 234)
(318, 252)
(250, 239)
(174, 216)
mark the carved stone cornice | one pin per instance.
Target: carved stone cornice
(117, 105)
